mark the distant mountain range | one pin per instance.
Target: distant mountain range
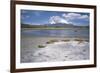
(58, 25)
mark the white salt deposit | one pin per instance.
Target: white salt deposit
(62, 51)
(58, 51)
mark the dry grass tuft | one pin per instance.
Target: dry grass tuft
(51, 41)
(41, 46)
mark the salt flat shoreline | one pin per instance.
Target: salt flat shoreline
(32, 42)
(30, 46)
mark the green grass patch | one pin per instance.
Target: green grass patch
(41, 46)
(79, 39)
(65, 40)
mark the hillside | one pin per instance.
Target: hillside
(58, 25)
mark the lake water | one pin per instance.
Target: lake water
(56, 33)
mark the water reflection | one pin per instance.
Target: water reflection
(57, 33)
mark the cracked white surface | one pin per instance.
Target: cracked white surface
(59, 51)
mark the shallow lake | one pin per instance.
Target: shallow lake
(56, 33)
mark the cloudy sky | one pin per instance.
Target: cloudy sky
(35, 17)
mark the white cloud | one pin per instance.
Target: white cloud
(24, 17)
(73, 16)
(36, 13)
(84, 17)
(24, 11)
(57, 19)
(27, 16)
(76, 18)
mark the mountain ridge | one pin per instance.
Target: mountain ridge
(57, 25)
